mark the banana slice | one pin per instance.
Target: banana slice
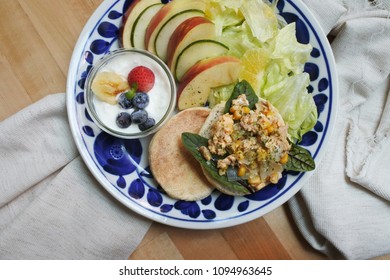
(107, 85)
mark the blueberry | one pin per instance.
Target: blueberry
(141, 100)
(147, 124)
(123, 120)
(124, 102)
(139, 116)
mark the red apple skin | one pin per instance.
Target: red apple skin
(130, 9)
(196, 51)
(128, 13)
(165, 12)
(180, 33)
(155, 21)
(202, 66)
(125, 18)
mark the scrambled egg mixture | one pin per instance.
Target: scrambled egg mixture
(252, 143)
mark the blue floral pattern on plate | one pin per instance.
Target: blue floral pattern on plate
(122, 165)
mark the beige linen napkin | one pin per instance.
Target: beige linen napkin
(344, 209)
(51, 207)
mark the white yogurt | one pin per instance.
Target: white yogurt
(159, 95)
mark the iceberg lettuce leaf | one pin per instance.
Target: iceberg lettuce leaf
(220, 94)
(291, 54)
(239, 39)
(295, 104)
(261, 19)
(224, 14)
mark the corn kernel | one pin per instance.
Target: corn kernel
(270, 129)
(246, 110)
(232, 110)
(284, 159)
(236, 115)
(254, 181)
(241, 171)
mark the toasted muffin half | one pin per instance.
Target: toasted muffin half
(173, 167)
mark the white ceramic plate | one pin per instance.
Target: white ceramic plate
(121, 166)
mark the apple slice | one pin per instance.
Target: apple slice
(195, 86)
(193, 29)
(197, 51)
(164, 14)
(132, 13)
(165, 33)
(141, 23)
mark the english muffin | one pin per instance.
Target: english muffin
(173, 167)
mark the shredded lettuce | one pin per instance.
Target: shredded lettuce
(245, 25)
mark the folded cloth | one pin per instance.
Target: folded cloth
(344, 209)
(51, 207)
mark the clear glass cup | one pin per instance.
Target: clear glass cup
(162, 97)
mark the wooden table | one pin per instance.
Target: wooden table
(37, 40)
